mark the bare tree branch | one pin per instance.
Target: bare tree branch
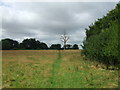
(64, 38)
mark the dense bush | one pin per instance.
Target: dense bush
(102, 39)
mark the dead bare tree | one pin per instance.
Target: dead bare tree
(64, 38)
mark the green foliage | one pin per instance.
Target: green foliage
(68, 46)
(8, 44)
(75, 46)
(102, 39)
(31, 44)
(55, 46)
(42, 46)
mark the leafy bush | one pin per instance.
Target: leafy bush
(102, 39)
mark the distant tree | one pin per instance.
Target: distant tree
(55, 46)
(43, 46)
(29, 44)
(68, 46)
(64, 38)
(9, 44)
(32, 44)
(75, 46)
(38, 44)
(0, 45)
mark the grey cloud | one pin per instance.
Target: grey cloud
(47, 21)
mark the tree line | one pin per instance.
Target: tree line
(32, 44)
(102, 41)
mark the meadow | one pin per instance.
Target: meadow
(54, 69)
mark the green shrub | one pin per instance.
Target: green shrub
(102, 39)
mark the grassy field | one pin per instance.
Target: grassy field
(54, 69)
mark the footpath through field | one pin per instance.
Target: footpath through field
(55, 69)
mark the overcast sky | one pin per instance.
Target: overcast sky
(47, 21)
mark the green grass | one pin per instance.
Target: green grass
(54, 69)
(53, 81)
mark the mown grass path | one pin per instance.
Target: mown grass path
(55, 69)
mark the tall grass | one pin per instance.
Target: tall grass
(54, 69)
